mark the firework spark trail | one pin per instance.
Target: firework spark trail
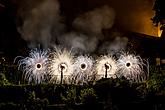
(83, 69)
(131, 67)
(34, 67)
(106, 66)
(61, 63)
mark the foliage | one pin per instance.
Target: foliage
(3, 80)
(34, 103)
(70, 97)
(88, 95)
(119, 90)
(10, 71)
(159, 12)
(9, 106)
(156, 80)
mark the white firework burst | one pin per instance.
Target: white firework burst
(106, 67)
(83, 69)
(131, 67)
(34, 67)
(61, 66)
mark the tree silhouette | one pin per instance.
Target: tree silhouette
(159, 13)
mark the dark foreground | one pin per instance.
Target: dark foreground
(106, 94)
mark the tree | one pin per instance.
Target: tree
(159, 17)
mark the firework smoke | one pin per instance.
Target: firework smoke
(118, 42)
(79, 43)
(85, 37)
(94, 21)
(41, 22)
(83, 69)
(131, 67)
(34, 67)
(61, 65)
(106, 67)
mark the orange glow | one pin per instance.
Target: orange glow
(159, 31)
(139, 17)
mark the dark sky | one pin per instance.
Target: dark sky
(10, 39)
(133, 15)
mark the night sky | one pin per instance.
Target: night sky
(130, 15)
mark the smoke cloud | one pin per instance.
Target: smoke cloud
(79, 43)
(88, 27)
(117, 43)
(43, 25)
(41, 22)
(94, 21)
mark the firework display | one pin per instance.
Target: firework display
(34, 67)
(106, 67)
(131, 67)
(60, 66)
(83, 69)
